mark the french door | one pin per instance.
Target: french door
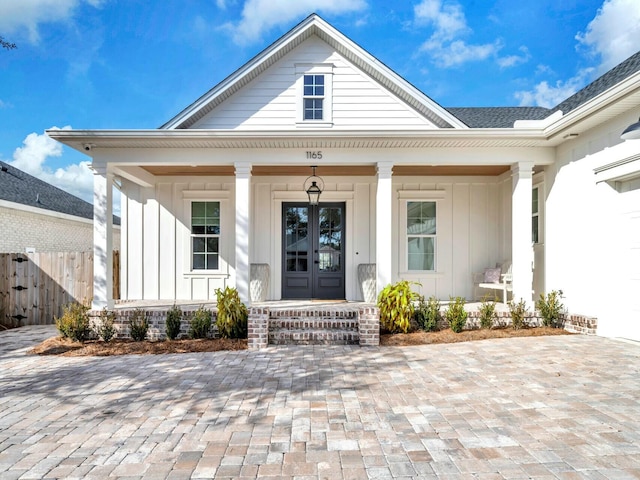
(313, 238)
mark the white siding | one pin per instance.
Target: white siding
(270, 101)
(591, 231)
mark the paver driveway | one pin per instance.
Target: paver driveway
(547, 407)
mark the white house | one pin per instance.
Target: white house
(423, 192)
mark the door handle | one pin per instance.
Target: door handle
(316, 261)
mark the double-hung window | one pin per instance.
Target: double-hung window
(205, 235)
(421, 236)
(535, 216)
(313, 97)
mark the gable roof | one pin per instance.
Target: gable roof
(19, 187)
(314, 25)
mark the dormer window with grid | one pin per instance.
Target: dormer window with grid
(313, 97)
(314, 84)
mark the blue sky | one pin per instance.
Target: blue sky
(100, 64)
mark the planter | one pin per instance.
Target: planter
(367, 281)
(259, 281)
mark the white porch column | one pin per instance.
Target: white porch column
(521, 246)
(384, 225)
(243, 188)
(102, 239)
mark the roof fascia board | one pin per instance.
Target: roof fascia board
(597, 103)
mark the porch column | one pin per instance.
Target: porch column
(102, 239)
(521, 246)
(243, 188)
(384, 226)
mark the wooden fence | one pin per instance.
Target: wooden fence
(35, 286)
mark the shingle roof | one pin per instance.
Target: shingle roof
(504, 117)
(20, 187)
(497, 117)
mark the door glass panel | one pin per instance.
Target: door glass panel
(297, 239)
(330, 239)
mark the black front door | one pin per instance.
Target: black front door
(313, 250)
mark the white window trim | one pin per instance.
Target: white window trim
(404, 197)
(325, 69)
(226, 236)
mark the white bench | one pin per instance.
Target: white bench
(505, 284)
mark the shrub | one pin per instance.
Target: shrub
(517, 312)
(138, 325)
(550, 308)
(173, 323)
(74, 322)
(106, 330)
(427, 314)
(232, 314)
(200, 323)
(396, 306)
(456, 315)
(487, 314)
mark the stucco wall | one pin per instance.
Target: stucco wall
(21, 230)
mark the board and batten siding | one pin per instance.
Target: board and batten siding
(155, 242)
(471, 231)
(270, 101)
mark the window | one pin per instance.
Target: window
(535, 216)
(421, 235)
(205, 235)
(313, 97)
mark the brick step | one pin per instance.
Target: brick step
(283, 336)
(314, 323)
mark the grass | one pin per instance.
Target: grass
(97, 348)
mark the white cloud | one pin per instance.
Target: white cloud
(445, 46)
(28, 14)
(4, 104)
(614, 32)
(258, 16)
(32, 157)
(545, 95)
(513, 60)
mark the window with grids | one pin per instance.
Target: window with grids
(205, 235)
(421, 236)
(313, 97)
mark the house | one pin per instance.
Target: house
(38, 217)
(425, 193)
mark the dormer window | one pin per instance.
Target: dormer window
(315, 88)
(313, 97)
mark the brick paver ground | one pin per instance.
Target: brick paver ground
(547, 407)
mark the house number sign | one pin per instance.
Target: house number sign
(315, 155)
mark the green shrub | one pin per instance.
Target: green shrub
(427, 314)
(232, 314)
(550, 308)
(200, 323)
(74, 322)
(106, 330)
(487, 314)
(396, 306)
(456, 315)
(138, 325)
(173, 322)
(517, 311)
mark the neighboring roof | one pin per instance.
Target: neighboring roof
(19, 187)
(497, 117)
(314, 25)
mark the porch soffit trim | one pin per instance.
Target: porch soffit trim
(499, 137)
(314, 25)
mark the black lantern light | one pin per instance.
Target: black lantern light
(314, 185)
(632, 132)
